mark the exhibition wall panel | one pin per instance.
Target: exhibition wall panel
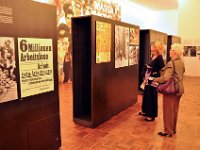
(29, 102)
(105, 68)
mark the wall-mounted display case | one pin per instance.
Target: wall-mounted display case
(105, 68)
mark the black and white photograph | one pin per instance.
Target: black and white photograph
(134, 36)
(121, 46)
(190, 51)
(133, 55)
(8, 85)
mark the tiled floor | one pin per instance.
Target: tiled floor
(128, 131)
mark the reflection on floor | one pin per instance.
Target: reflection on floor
(128, 131)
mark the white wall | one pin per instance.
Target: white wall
(189, 30)
(167, 21)
(164, 21)
(135, 14)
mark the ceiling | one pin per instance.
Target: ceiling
(157, 4)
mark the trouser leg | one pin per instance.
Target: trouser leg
(169, 117)
(176, 108)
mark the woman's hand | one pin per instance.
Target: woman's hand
(148, 67)
(154, 83)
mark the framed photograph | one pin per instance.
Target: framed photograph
(8, 84)
(103, 42)
(190, 51)
(134, 36)
(121, 46)
(133, 55)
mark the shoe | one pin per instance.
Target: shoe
(142, 114)
(164, 134)
(149, 119)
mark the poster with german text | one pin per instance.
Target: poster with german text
(35, 66)
(103, 42)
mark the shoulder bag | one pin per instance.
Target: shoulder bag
(169, 87)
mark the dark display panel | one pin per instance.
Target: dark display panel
(29, 121)
(99, 89)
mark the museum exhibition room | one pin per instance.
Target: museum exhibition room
(83, 74)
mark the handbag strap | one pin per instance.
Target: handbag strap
(173, 67)
(174, 70)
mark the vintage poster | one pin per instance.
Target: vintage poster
(35, 66)
(8, 85)
(65, 11)
(106, 8)
(133, 55)
(103, 42)
(121, 46)
(134, 36)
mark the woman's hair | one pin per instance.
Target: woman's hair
(177, 48)
(159, 46)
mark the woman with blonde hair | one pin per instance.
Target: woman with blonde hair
(150, 95)
(174, 68)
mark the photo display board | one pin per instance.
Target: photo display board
(95, 101)
(103, 42)
(29, 95)
(36, 66)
